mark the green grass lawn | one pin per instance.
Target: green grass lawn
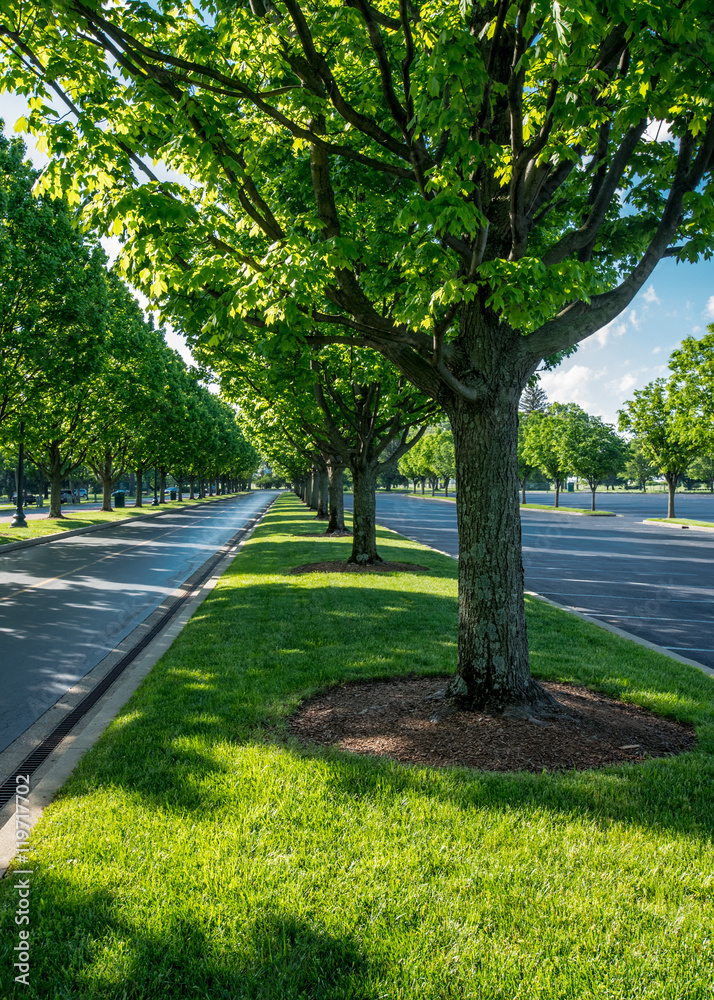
(682, 520)
(198, 852)
(75, 517)
(568, 510)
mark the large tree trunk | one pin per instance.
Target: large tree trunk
(105, 471)
(323, 498)
(55, 478)
(493, 670)
(336, 522)
(671, 478)
(364, 532)
(311, 492)
(139, 502)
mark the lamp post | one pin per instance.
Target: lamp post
(155, 501)
(19, 520)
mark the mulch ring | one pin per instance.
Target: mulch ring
(408, 720)
(322, 534)
(341, 566)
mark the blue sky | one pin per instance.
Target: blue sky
(677, 302)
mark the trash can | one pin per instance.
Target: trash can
(571, 487)
(173, 494)
(119, 499)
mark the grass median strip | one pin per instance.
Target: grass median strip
(684, 521)
(197, 851)
(75, 517)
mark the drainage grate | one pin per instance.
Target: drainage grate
(42, 752)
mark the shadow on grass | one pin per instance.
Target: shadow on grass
(241, 694)
(165, 954)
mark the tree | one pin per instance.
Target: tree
(692, 383)
(544, 435)
(533, 399)
(467, 188)
(702, 468)
(444, 459)
(661, 425)
(638, 465)
(592, 449)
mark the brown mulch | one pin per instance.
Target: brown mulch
(322, 534)
(409, 720)
(339, 566)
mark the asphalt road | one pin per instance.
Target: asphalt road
(65, 605)
(655, 582)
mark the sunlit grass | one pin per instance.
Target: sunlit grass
(682, 520)
(197, 851)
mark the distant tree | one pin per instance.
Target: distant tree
(702, 468)
(593, 449)
(52, 291)
(692, 385)
(533, 398)
(660, 421)
(638, 465)
(444, 458)
(544, 435)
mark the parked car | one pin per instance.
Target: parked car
(82, 494)
(27, 498)
(65, 496)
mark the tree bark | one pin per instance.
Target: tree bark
(192, 487)
(55, 478)
(105, 472)
(364, 532)
(336, 523)
(557, 492)
(493, 669)
(139, 502)
(323, 497)
(671, 478)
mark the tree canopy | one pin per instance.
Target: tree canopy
(468, 188)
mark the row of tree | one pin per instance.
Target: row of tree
(670, 423)
(468, 189)
(84, 378)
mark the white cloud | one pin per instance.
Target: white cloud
(696, 329)
(634, 319)
(613, 329)
(709, 308)
(573, 386)
(656, 350)
(650, 295)
(624, 384)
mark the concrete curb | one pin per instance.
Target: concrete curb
(29, 542)
(586, 618)
(527, 506)
(625, 635)
(47, 780)
(669, 524)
